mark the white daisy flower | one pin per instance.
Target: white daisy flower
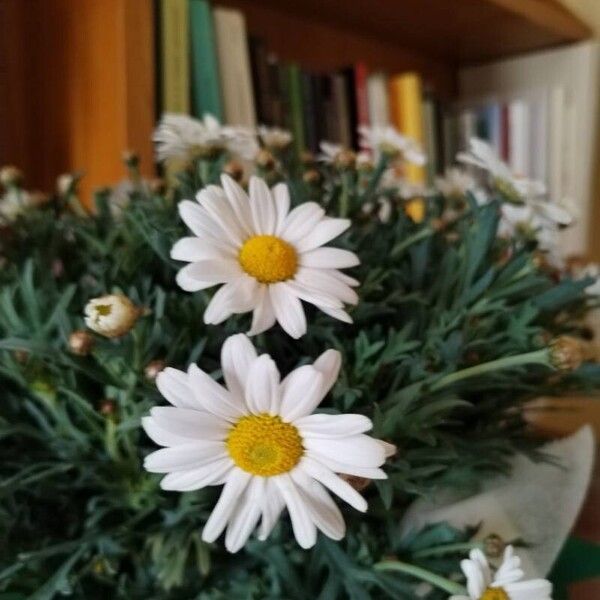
(268, 257)
(505, 584)
(183, 137)
(13, 203)
(329, 151)
(455, 183)
(385, 139)
(260, 439)
(274, 137)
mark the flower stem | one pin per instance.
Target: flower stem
(423, 574)
(540, 357)
(375, 178)
(409, 241)
(462, 547)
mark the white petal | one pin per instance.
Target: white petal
(324, 231)
(191, 424)
(206, 273)
(329, 365)
(213, 397)
(174, 386)
(323, 510)
(360, 450)
(211, 473)
(301, 221)
(334, 483)
(327, 426)
(263, 317)
(288, 310)
(239, 203)
(281, 195)
(329, 258)
(343, 277)
(272, 505)
(301, 393)
(264, 214)
(235, 297)
(534, 589)
(237, 354)
(476, 583)
(184, 457)
(193, 249)
(230, 496)
(160, 436)
(388, 449)
(246, 515)
(203, 225)
(312, 295)
(338, 466)
(214, 201)
(302, 524)
(262, 386)
(336, 313)
(326, 283)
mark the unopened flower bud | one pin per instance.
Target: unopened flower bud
(81, 342)
(10, 176)
(65, 183)
(311, 177)
(111, 316)
(153, 368)
(265, 160)
(234, 169)
(345, 159)
(157, 185)
(567, 353)
(107, 407)
(493, 546)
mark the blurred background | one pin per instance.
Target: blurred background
(82, 81)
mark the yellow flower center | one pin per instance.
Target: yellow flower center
(268, 258)
(264, 445)
(495, 593)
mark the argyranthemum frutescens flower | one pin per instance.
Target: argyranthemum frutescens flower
(505, 584)
(260, 438)
(268, 257)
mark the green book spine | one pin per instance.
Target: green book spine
(296, 111)
(206, 92)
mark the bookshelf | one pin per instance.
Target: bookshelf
(77, 77)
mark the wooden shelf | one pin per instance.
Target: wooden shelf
(77, 76)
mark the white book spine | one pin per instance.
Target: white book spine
(377, 93)
(518, 131)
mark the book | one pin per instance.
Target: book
(352, 104)
(431, 139)
(206, 93)
(518, 119)
(234, 67)
(361, 75)
(276, 92)
(309, 92)
(378, 102)
(296, 117)
(260, 80)
(340, 102)
(175, 56)
(406, 114)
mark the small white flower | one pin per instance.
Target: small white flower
(274, 137)
(120, 195)
(13, 203)
(112, 315)
(329, 151)
(385, 139)
(393, 178)
(455, 183)
(505, 584)
(260, 439)
(183, 137)
(268, 257)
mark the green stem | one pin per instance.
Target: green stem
(345, 195)
(422, 574)
(110, 440)
(463, 547)
(540, 357)
(375, 178)
(409, 241)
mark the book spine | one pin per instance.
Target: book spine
(518, 111)
(377, 90)
(340, 100)
(309, 112)
(351, 102)
(295, 100)
(260, 80)
(175, 56)
(234, 67)
(277, 94)
(504, 134)
(407, 115)
(206, 93)
(361, 75)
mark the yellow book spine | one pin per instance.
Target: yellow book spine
(406, 98)
(175, 56)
